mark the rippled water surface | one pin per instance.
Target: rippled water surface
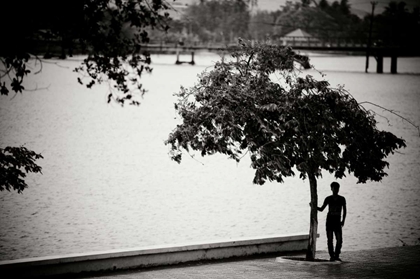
(108, 182)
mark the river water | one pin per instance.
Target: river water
(108, 182)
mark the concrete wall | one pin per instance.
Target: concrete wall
(151, 256)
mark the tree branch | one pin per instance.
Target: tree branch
(393, 112)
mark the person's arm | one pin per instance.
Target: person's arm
(323, 206)
(344, 214)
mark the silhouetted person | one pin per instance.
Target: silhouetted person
(334, 225)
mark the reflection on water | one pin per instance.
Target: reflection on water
(108, 182)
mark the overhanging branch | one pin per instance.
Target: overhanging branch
(393, 112)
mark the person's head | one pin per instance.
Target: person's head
(335, 187)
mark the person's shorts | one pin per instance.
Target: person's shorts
(333, 222)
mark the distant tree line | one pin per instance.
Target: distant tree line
(397, 25)
(223, 21)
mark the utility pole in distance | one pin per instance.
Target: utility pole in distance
(370, 36)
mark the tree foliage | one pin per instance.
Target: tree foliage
(310, 19)
(321, 20)
(296, 123)
(397, 25)
(15, 163)
(114, 44)
(261, 25)
(109, 32)
(218, 20)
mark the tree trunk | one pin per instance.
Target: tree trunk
(313, 231)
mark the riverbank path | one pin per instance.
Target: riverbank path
(397, 262)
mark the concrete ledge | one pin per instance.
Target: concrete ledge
(151, 256)
(301, 261)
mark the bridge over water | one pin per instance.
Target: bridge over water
(312, 44)
(331, 45)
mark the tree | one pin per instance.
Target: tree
(323, 4)
(320, 19)
(219, 19)
(397, 26)
(12, 161)
(311, 19)
(261, 25)
(109, 32)
(344, 7)
(305, 3)
(297, 124)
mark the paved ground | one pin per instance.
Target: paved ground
(398, 262)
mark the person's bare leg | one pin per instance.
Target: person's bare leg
(330, 244)
(339, 237)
